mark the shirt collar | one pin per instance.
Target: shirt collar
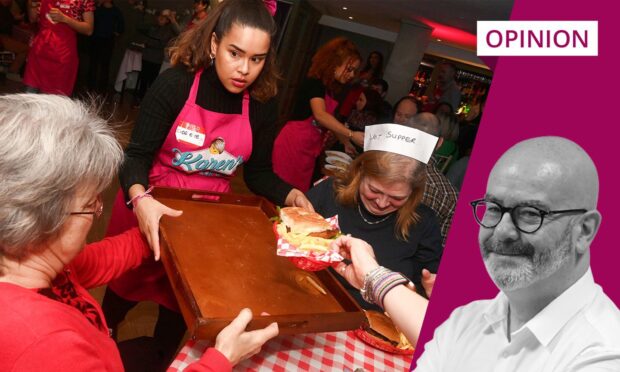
(497, 311)
(549, 321)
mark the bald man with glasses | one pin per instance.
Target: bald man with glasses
(537, 221)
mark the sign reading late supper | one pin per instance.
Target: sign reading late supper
(401, 140)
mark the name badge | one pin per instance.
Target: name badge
(190, 134)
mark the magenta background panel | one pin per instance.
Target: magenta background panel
(573, 97)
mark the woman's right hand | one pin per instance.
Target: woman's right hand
(149, 212)
(362, 257)
(236, 344)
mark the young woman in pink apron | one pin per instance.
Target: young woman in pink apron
(300, 141)
(53, 59)
(201, 119)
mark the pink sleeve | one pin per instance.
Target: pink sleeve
(211, 361)
(107, 259)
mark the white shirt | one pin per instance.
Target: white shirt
(578, 331)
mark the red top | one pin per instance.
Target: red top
(53, 58)
(62, 328)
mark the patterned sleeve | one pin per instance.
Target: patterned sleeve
(88, 6)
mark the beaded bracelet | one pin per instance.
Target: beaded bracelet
(134, 201)
(378, 282)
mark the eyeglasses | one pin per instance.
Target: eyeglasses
(526, 218)
(98, 209)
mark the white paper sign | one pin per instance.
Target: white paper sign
(401, 140)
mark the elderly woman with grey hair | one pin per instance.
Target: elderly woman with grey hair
(56, 157)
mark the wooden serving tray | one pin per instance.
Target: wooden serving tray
(220, 257)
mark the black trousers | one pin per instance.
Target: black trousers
(148, 75)
(99, 66)
(158, 351)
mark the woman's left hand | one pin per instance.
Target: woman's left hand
(57, 16)
(296, 198)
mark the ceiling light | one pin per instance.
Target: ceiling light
(350, 17)
(344, 8)
(438, 39)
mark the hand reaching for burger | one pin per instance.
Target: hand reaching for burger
(296, 198)
(362, 257)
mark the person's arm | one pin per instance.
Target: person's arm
(161, 105)
(33, 11)
(84, 27)
(258, 171)
(327, 120)
(105, 260)
(405, 307)
(233, 344)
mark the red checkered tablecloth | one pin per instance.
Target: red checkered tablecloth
(336, 351)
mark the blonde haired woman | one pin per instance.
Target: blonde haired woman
(378, 200)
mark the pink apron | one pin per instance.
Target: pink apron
(202, 151)
(297, 147)
(53, 59)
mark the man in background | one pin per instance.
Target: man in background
(447, 91)
(405, 109)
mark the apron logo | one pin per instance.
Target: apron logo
(209, 160)
(190, 134)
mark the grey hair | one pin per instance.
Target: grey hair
(50, 147)
(426, 122)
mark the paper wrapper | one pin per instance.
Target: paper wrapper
(381, 345)
(307, 260)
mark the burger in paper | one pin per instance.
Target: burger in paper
(383, 334)
(305, 237)
(305, 230)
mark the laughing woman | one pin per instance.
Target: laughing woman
(378, 200)
(215, 106)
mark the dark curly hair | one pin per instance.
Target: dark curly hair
(329, 57)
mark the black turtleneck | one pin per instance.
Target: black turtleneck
(163, 103)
